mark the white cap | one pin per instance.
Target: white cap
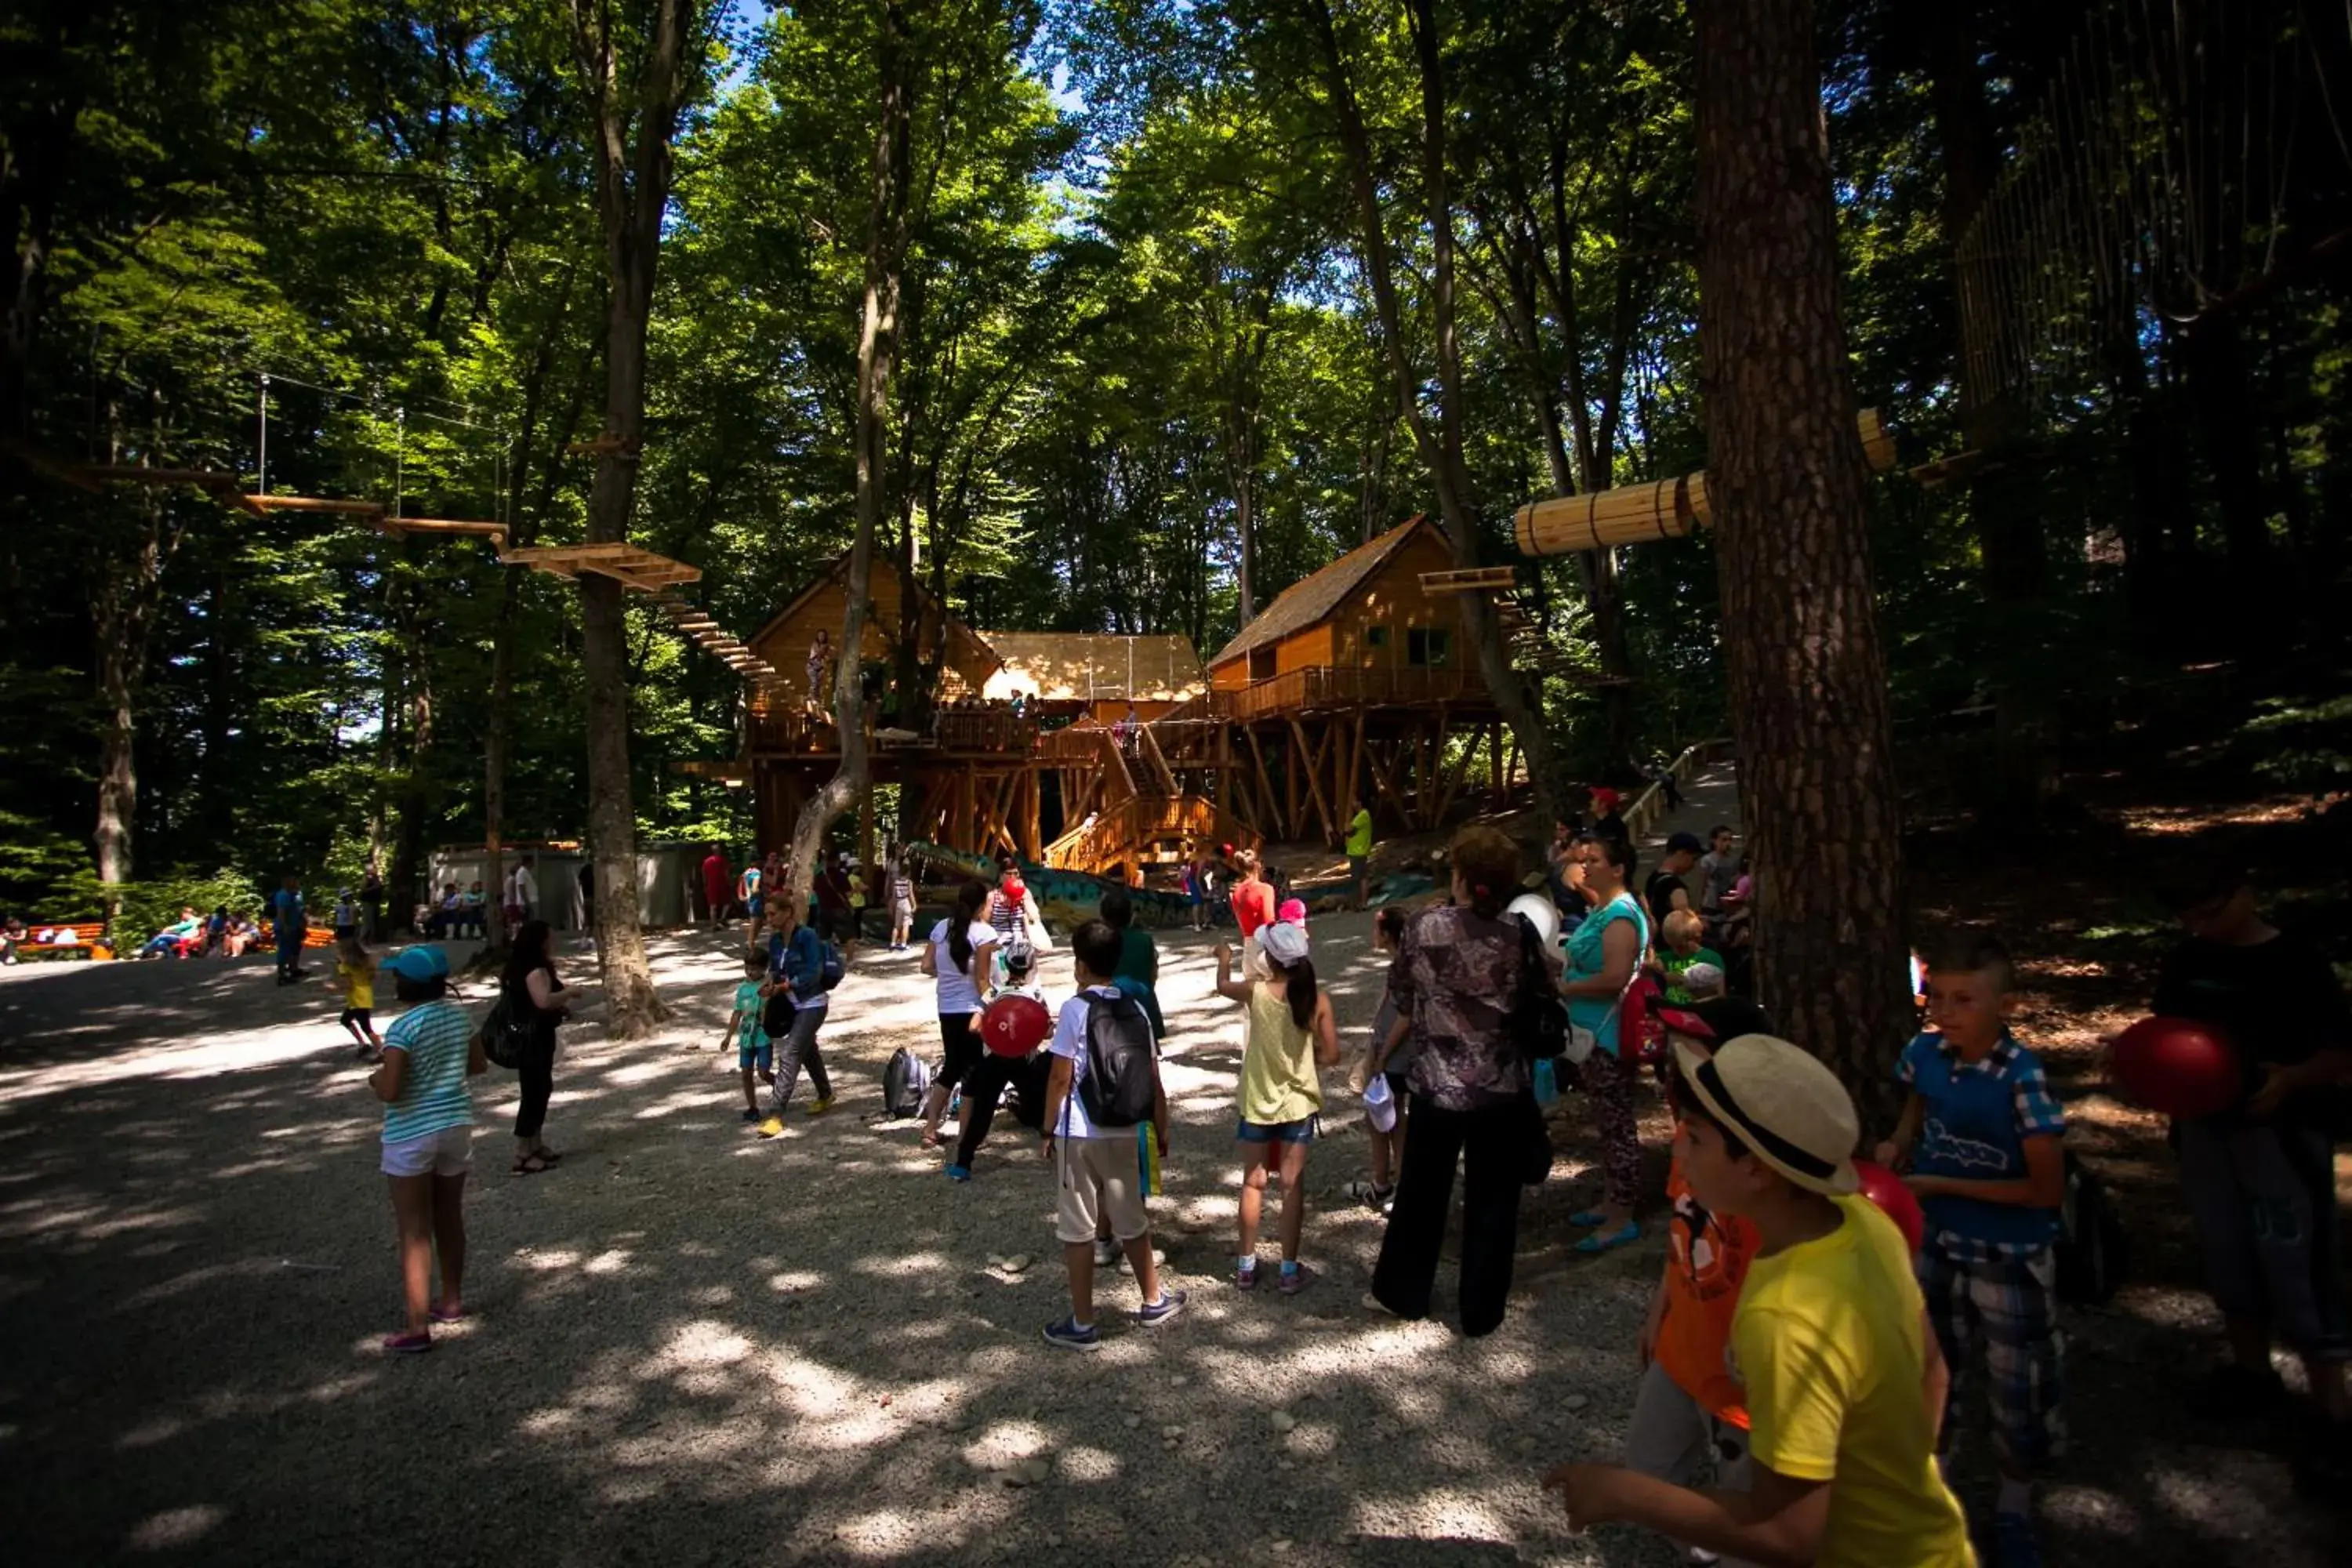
(1284, 942)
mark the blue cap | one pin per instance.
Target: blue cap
(420, 963)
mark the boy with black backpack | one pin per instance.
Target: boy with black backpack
(1105, 1083)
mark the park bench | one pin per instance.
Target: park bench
(312, 936)
(89, 942)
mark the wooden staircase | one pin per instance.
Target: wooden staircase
(696, 626)
(1142, 832)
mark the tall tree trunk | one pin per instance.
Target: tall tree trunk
(1441, 449)
(126, 586)
(410, 625)
(877, 345)
(2213, 363)
(632, 190)
(1806, 672)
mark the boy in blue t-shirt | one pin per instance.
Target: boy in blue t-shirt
(753, 1054)
(1982, 1133)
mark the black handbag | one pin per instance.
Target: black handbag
(503, 1039)
(1539, 1020)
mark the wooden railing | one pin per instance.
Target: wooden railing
(1321, 687)
(995, 727)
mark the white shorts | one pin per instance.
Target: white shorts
(449, 1152)
(1099, 1179)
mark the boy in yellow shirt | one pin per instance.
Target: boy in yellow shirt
(1844, 1384)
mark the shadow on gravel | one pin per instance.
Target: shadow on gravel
(689, 1347)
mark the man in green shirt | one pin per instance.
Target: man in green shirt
(1360, 853)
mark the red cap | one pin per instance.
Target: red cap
(1605, 798)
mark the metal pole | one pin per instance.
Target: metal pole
(264, 404)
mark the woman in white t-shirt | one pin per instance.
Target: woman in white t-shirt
(961, 956)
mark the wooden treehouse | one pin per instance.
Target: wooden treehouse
(1112, 755)
(1350, 687)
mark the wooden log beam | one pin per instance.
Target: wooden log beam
(1311, 765)
(1386, 783)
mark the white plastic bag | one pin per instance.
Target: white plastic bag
(1380, 1104)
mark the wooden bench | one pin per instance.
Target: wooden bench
(312, 936)
(89, 942)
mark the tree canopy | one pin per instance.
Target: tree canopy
(1144, 378)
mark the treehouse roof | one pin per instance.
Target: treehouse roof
(1320, 595)
(1078, 667)
(822, 602)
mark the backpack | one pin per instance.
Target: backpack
(2093, 1252)
(830, 967)
(503, 1039)
(1119, 1089)
(1539, 1018)
(906, 1079)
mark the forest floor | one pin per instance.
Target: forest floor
(687, 1345)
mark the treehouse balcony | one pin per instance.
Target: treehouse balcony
(1325, 688)
(983, 730)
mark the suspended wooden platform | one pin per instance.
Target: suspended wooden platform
(627, 564)
(1469, 580)
(336, 504)
(1663, 508)
(494, 531)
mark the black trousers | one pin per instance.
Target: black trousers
(984, 1085)
(537, 1071)
(1486, 1142)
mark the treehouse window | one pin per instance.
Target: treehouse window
(1428, 647)
(1376, 637)
(1261, 664)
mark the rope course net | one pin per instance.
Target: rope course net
(2187, 157)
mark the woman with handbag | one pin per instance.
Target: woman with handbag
(1604, 959)
(1458, 975)
(532, 992)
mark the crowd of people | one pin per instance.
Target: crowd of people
(1803, 1358)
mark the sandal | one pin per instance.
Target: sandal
(529, 1165)
(548, 1154)
(408, 1343)
(1596, 1244)
(448, 1314)
(1586, 1217)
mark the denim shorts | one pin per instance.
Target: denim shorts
(1299, 1131)
(756, 1052)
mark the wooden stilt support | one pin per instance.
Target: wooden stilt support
(1310, 763)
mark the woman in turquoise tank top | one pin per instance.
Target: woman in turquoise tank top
(1603, 957)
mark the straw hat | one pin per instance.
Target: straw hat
(1784, 1104)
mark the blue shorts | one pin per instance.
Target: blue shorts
(1299, 1131)
(753, 905)
(755, 1052)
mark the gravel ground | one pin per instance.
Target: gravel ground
(689, 1346)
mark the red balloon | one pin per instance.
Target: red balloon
(1894, 1200)
(2177, 1066)
(1015, 1025)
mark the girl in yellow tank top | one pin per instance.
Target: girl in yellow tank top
(1290, 1034)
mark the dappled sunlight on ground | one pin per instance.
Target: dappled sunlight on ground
(687, 1341)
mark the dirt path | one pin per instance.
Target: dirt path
(690, 1346)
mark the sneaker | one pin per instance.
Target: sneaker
(1244, 1278)
(1106, 1253)
(958, 1173)
(1069, 1336)
(2013, 1542)
(1171, 1302)
(820, 1105)
(773, 1127)
(1293, 1279)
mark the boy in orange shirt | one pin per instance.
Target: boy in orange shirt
(1690, 1414)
